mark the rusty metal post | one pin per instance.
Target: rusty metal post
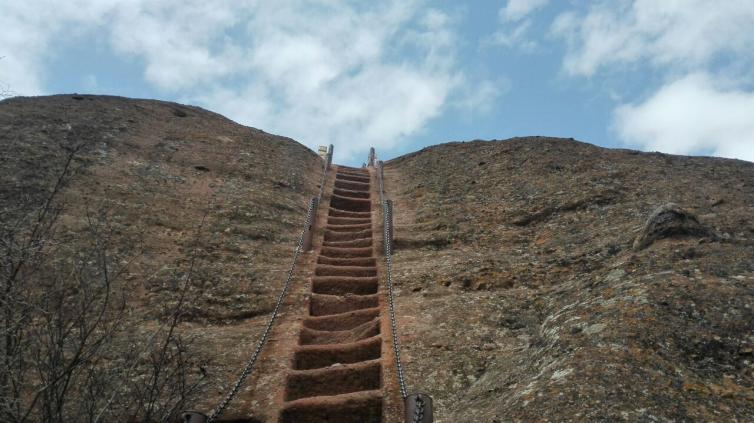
(192, 417)
(419, 408)
(370, 162)
(312, 217)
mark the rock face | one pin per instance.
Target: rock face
(669, 220)
(537, 279)
(522, 298)
(173, 182)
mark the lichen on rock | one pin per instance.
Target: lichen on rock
(670, 220)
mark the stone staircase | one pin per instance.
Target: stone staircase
(336, 373)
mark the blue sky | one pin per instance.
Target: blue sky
(673, 76)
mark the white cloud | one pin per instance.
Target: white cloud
(692, 115)
(515, 22)
(182, 42)
(329, 71)
(517, 38)
(481, 98)
(685, 34)
(702, 47)
(340, 74)
(516, 10)
(28, 28)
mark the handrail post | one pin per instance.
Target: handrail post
(418, 408)
(370, 161)
(312, 218)
(190, 416)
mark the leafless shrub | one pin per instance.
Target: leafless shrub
(66, 348)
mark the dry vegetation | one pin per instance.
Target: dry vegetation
(139, 240)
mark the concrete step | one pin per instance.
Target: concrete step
(353, 407)
(340, 285)
(335, 212)
(328, 304)
(318, 356)
(334, 380)
(350, 203)
(319, 337)
(346, 252)
(343, 321)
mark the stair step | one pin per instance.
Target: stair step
(352, 169)
(345, 252)
(352, 261)
(327, 304)
(318, 356)
(350, 193)
(327, 270)
(350, 203)
(339, 285)
(354, 407)
(351, 177)
(334, 380)
(321, 337)
(355, 186)
(350, 228)
(349, 220)
(357, 243)
(341, 322)
(335, 212)
(347, 236)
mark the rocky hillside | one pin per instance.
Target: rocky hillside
(198, 217)
(545, 279)
(538, 279)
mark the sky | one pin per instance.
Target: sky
(674, 76)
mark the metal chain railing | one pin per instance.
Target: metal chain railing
(310, 217)
(220, 409)
(418, 407)
(388, 241)
(419, 412)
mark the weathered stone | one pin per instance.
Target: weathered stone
(670, 220)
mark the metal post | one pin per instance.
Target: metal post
(370, 162)
(309, 232)
(418, 408)
(192, 417)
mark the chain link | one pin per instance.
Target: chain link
(419, 411)
(220, 409)
(387, 213)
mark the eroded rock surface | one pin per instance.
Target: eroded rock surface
(521, 297)
(157, 170)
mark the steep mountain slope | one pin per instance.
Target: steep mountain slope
(537, 278)
(533, 285)
(188, 197)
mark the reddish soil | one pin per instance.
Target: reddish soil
(336, 373)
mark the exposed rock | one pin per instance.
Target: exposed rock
(519, 295)
(574, 324)
(670, 220)
(156, 181)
